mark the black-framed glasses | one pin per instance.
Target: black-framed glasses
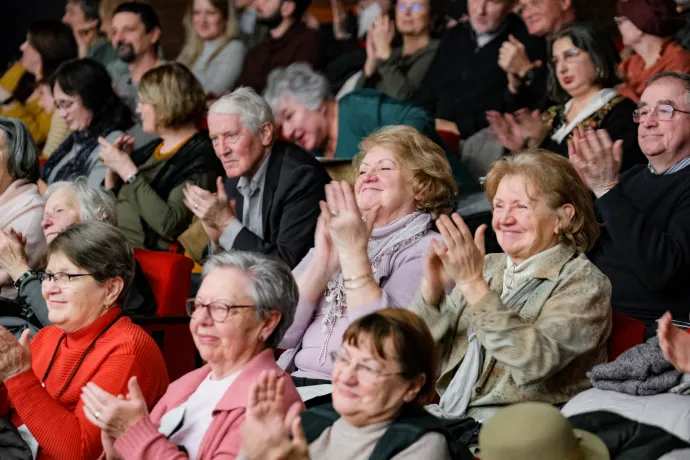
(662, 112)
(218, 311)
(64, 104)
(59, 278)
(365, 374)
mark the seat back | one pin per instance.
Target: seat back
(169, 276)
(625, 334)
(450, 138)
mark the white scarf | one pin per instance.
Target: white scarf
(596, 102)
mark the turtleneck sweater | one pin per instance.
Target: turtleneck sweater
(59, 425)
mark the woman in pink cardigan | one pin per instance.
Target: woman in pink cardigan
(245, 304)
(21, 206)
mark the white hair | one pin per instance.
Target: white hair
(94, 203)
(299, 82)
(252, 108)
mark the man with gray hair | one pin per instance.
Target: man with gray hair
(269, 200)
(644, 247)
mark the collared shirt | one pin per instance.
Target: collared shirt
(252, 192)
(675, 168)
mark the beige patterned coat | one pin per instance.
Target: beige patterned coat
(539, 351)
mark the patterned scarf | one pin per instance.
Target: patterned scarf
(86, 140)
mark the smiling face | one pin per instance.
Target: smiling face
(574, 67)
(665, 142)
(367, 388)
(523, 223)
(77, 302)
(71, 109)
(487, 15)
(412, 17)
(384, 180)
(129, 37)
(306, 128)
(208, 21)
(239, 149)
(242, 330)
(61, 210)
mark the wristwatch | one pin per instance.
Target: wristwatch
(529, 76)
(131, 178)
(23, 277)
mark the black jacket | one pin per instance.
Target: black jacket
(464, 81)
(294, 186)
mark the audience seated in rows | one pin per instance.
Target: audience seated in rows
(289, 40)
(643, 248)
(397, 71)
(358, 265)
(308, 115)
(582, 79)
(48, 44)
(527, 77)
(66, 203)
(135, 34)
(528, 324)
(84, 98)
(83, 16)
(648, 26)
(383, 375)
(244, 306)
(464, 79)
(268, 201)
(149, 181)
(20, 202)
(213, 49)
(88, 277)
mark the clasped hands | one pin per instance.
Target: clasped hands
(457, 259)
(116, 156)
(214, 210)
(524, 128)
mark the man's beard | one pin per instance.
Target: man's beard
(271, 21)
(125, 51)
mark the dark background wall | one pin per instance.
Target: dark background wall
(23, 12)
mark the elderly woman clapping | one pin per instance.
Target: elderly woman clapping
(245, 304)
(359, 266)
(383, 375)
(66, 203)
(87, 279)
(20, 202)
(525, 325)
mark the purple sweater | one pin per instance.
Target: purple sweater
(399, 279)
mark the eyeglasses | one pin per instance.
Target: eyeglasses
(60, 278)
(413, 7)
(218, 311)
(662, 112)
(64, 105)
(365, 374)
(568, 55)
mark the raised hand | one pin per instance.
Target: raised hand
(214, 210)
(15, 355)
(117, 160)
(596, 159)
(112, 414)
(674, 343)
(348, 228)
(506, 130)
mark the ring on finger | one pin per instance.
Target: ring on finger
(97, 414)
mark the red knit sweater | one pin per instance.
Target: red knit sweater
(60, 427)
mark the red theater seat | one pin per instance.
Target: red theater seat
(625, 334)
(169, 275)
(452, 139)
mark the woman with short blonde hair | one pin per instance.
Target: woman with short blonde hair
(149, 183)
(528, 324)
(369, 244)
(212, 48)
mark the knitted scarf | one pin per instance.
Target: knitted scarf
(86, 140)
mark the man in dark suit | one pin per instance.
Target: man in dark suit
(269, 201)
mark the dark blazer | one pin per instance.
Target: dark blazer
(293, 188)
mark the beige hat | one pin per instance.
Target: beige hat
(537, 431)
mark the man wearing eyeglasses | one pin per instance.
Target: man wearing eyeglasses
(644, 247)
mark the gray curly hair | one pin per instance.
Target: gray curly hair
(94, 203)
(298, 81)
(22, 154)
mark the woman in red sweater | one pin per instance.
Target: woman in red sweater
(87, 279)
